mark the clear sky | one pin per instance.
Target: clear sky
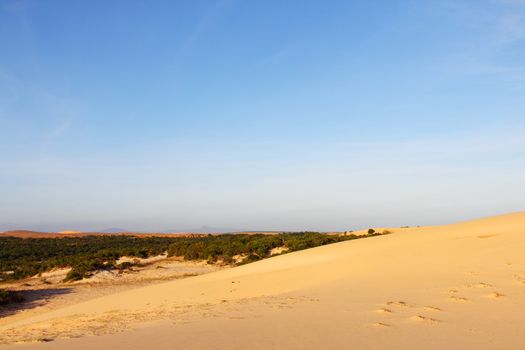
(321, 115)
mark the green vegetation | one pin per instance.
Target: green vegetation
(224, 247)
(24, 257)
(10, 297)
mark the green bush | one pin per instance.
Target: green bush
(85, 268)
(23, 257)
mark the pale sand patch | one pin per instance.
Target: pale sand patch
(432, 280)
(278, 250)
(69, 232)
(47, 292)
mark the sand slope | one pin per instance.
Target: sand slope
(459, 286)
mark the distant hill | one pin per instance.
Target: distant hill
(31, 234)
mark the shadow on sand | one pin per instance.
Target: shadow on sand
(33, 299)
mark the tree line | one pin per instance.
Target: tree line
(24, 257)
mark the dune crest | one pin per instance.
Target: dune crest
(458, 286)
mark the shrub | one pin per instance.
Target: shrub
(23, 257)
(126, 265)
(74, 275)
(84, 268)
(10, 297)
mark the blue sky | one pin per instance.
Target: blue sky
(322, 115)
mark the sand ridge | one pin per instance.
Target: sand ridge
(457, 286)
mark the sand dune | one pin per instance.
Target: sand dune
(458, 286)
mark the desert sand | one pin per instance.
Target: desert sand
(459, 286)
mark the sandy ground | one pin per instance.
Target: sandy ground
(47, 291)
(459, 286)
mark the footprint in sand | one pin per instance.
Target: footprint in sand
(519, 280)
(458, 299)
(432, 308)
(384, 310)
(424, 319)
(398, 303)
(404, 307)
(495, 295)
(380, 325)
